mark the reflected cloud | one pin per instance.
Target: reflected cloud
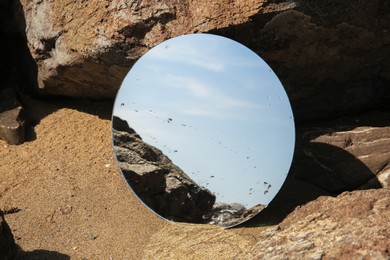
(218, 102)
(201, 112)
(198, 56)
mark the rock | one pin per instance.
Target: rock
(86, 49)
(333, 58)
(160, 184)
(7, 242)
(12, 120)
(354, 225)
(12, 127)
(121, 125)
(349, 153)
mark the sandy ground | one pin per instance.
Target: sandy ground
(67, 198)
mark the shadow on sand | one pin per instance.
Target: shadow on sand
(40, 254)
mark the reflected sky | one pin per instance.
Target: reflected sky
(217, 111)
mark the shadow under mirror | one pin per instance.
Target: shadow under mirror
(203, 131)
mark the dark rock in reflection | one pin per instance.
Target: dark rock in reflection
(160, 184)
(228, 215)
(165, 188)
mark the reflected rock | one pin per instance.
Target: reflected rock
(160, 184)
(12, 118)
(229, 215)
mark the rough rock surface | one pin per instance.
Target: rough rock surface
(354, 225)
(84, 49)
(332, 57)
(345, 154)
(7, 242)
(160, 184)
(12, 119)
(12, 126)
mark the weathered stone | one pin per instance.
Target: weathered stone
(12, 122)
(7, 242)
(121, 125)
(354, 225)
(345, 154)
(85, 49)
(160, 184)
(332, 58)
(12, 126)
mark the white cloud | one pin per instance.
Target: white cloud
(217, 103)
(185, 54)
(196, 111)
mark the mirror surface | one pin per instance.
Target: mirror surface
(220, 114)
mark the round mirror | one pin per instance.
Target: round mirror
(203, 130)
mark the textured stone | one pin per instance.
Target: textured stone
(12, 127)
(345, 154)
(332, 58)
(84, 49)
(7, 243)
(354, 225)
(12, 122)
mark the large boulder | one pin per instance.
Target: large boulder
(333, 57)
(84, 49)
(354, 225)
